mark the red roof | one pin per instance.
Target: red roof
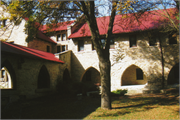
(58, 27)
(44, 37)
(124, 25)
(28, 52)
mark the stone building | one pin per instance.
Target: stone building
(28, 73)
(141, 46)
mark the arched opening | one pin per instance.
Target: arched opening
(7, 76)
(91, 75)
(173, 77)
(43, 78)
(66, 76)
(133, 75)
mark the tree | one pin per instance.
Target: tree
(42, 12)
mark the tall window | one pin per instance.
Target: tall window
(58, 49)
(103, 43)
(43, 78)
(132, 40)
(80, 45)
(172, 39)
(63, 37)
(59, 37)
(48, 48)
(139, 74)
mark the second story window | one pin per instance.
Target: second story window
(59, 37)
(132, 41)
(63, 37)
(172, 39)
(80, 45)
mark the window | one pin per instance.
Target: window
(58, 49)
(63, 37)
(112, 44)
(172, 39)
(139, 74)
(152, 41)
(103, 43)
(59, 37)
(63, 48)
(48, 48)
(3, 23)
(132, 40)
(80, 45)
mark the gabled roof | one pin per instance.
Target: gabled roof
(28, 52)
(58, 27)
(40, 34)
(148, 20)
(44, 37)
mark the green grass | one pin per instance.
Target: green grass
(153, 106)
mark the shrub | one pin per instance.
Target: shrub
(120, 92)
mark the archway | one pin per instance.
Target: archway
(173, 77)
(133, 75)
(91, 75)
(66, 76)
(7, 76)
(43, 78)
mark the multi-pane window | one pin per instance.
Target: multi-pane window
(61, 37)
(139, 74)
(132, 41)
(62, 48)
(80, 45)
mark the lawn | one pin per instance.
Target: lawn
(151, 106)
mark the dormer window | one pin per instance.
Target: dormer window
(112, 44)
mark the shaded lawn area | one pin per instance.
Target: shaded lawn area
(151, 106)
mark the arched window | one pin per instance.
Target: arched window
(133, 75)
(66, 76)
(173, 77)
(43, 78)
(91, 75)
(7, 76)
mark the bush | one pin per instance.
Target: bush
(120, 92)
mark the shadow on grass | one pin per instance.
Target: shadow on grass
(131, 104)
(52, 107)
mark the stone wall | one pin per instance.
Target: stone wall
(25, 77)
(143, 56)
(42, 45)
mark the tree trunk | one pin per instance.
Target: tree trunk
(162, 62)
(105, 68)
